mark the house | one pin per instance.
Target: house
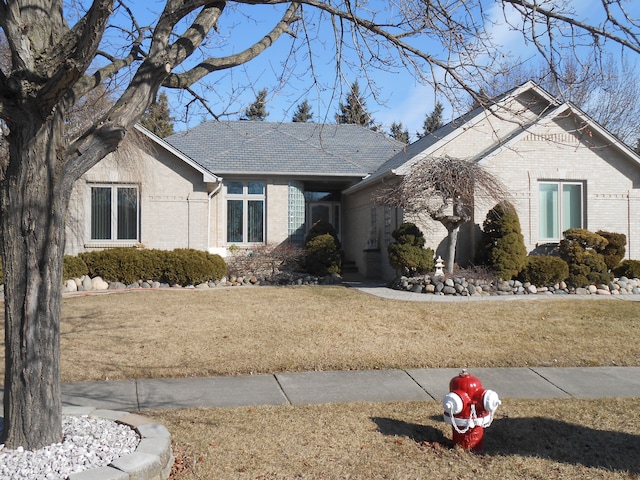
(563, 171)
(249, 183)
(220, 184)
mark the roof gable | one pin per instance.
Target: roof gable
(525, 108)
(207, 176)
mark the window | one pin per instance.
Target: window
(245, 212)
(560, 208)
(114, 213)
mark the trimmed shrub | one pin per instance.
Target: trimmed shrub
(115, 264)
(322, 250)
(73, 267)
(180, 266)
(322, 256)
(614, 251)
(189, 267)
(580, 249)
(628, 268)
(407, 253)
(544, 270)
(502, 246)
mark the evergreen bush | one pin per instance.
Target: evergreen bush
(322, 256)
(581, 249)
(189, 267)
(614, 251)
(129, 265)
(544, 270)
(502, 247)
(407, 253)
(73, 267)
(322, 250)
(628, 268)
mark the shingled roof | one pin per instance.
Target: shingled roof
(293, 149)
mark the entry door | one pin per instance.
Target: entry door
(327, 211)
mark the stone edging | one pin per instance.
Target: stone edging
(152, 459)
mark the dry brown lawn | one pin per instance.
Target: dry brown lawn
(557, 439)
(229, 331)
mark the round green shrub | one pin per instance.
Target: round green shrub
(322, 255)
(189, 267)
(407, 253)
(615, 249)
(502, 246)
(628, 268)
(580, 249)
(73, 267)
(544, 270)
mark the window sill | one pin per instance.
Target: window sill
(108, 244)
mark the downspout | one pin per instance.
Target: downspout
(629, 224)
(210, 198)
(189, 220)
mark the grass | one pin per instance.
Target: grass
(567, 439)
(269, 329)
(266, 330)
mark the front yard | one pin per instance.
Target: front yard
(269, 329)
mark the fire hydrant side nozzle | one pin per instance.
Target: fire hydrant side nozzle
(469, 409)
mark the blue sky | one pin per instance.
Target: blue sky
(400, 97)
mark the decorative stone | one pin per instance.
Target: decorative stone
(70, 286)
(97, 283)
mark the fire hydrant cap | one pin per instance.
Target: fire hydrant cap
(490, 401)
(452, 403)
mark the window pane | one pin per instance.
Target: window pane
(571, 206)
(127, 213)
(234, 188)
(255, 220)
(256, 188)
(101, 213)
(234, 221)
(549, 210)
(319, 212)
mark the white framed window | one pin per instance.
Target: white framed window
(115, 213)
(245, 212)
(561, 207)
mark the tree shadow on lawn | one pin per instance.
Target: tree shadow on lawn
(541, 438)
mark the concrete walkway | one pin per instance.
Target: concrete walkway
(349, 386)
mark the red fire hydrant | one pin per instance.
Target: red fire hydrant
(469, 409)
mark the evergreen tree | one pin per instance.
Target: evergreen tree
(354, 110)
(257, 111)
(303, 112)
(433, 121)
(157, 119)
(399, 133)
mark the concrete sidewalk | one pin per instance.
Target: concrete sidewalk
(349, 386)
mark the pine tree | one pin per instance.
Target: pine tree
(354, 110)
(257, 111)
(399, 133)
(433, 121)
(303, 112)
(157, 119)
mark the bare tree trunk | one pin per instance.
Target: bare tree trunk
(452, 241)
(33, 206)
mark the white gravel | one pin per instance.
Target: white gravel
(88, 442)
